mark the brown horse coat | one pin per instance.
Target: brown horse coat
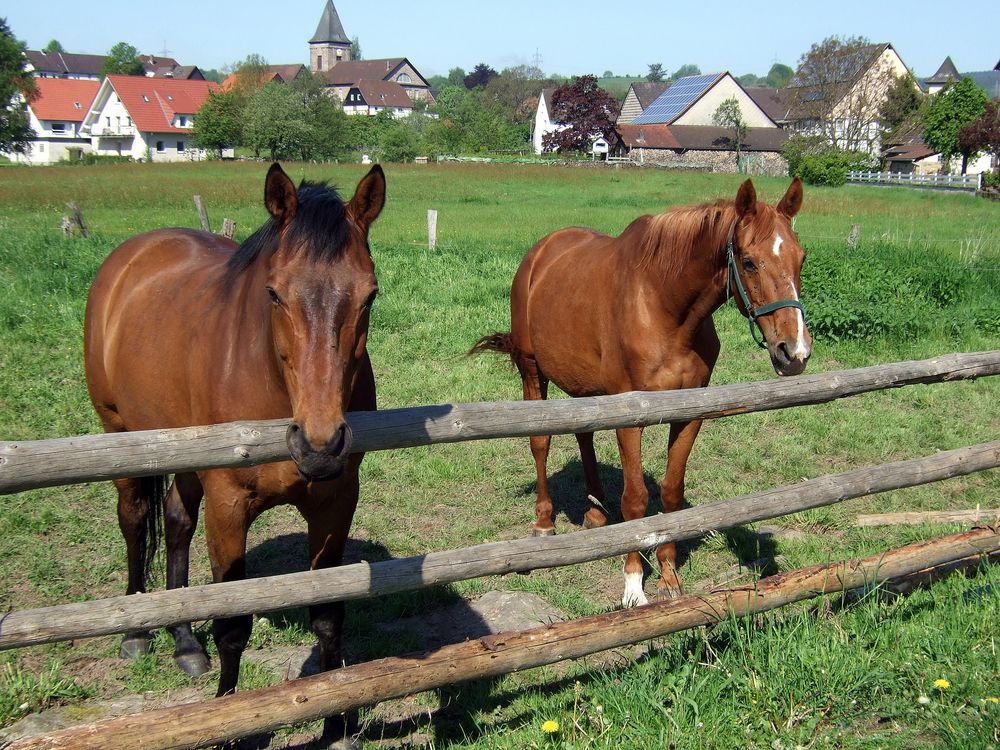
(597, 315)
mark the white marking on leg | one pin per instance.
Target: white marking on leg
(634, 596)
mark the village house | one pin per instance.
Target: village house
(43, 64)
(147, 119)
(56, 116)
(364, 87)
(842, 102)
(678, 129)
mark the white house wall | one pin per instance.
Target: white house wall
(49, 146)
(702, 110)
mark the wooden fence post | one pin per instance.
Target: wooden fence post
(854, 236)
(228, 228)
(432, 228)
(202, 214)
(76, 218)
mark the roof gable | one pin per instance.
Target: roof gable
(152, 103)
(66, 63)
(349, 72)
(384, 94)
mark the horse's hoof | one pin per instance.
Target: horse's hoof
(134, 646)
(666, 593)
(551, 531)
(193, 664)
(347, 743)
(594, 519)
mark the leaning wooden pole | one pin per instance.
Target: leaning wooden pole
(306, 699)
(362, 580)
(44, 463)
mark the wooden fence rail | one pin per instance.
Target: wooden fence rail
(912, 179)
(296, 701)
(162, 608)
(42, 463)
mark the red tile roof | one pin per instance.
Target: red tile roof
(153, 102)
(65, 99)
(698, 137)
(350, 72)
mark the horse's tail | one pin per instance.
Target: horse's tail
(494, 342)
(153, 490)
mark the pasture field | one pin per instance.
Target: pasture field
(924, 280)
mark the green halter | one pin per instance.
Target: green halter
(754, 312)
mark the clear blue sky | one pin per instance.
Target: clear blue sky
(571, 38)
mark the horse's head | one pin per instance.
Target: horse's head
(765, 262)
(320, 285)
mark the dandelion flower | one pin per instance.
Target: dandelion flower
(992, 699)
(942, 684)
(550, 727)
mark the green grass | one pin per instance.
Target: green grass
(923, 282)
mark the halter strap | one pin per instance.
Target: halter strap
(753, 312)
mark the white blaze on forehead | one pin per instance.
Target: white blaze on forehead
(777, 245)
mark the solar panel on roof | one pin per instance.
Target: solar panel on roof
(675, 99)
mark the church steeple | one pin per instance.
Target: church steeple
(329, 45)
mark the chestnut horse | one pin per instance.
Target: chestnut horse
(186, 328)
(598, 315)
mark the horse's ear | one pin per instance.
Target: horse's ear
(746, 200)
(279, 195)
(792, 202)
(369, 198)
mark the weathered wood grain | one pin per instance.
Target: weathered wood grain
(971, 516)
(161, 608)
(306, 699)
(42, 463)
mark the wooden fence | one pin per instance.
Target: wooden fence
(971, 182)
(300, 700)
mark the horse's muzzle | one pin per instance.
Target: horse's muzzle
(323, 464)
(787, 360)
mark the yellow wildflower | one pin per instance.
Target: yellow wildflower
(550, 727)
(992, 699)
(942, 684)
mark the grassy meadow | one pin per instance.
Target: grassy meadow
(924, 280)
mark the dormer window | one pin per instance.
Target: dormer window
(145, 98)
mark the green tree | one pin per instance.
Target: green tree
(983, 134)
(456, 77)
(53, 46)
(17, 89)
(122, 59)
(516, 91)
(275, 121)
(778, 76)
(480, 76)
(902, 99)
(656, 73)
(251, 74)
(688, 69)
(729, 115)
(218, 124)
(325, 120)
(356, 49)
(949, 111)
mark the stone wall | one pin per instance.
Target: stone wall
(755, 162)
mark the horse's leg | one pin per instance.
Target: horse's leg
(227, 520)
(597, 514)
(133, 520)
(635, 501)
(329, 522)
(536, 387)
(682, 437)
(180, 520)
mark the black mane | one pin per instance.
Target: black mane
(319, 227)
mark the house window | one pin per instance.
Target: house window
(403, 78)
(180, 147)
(59, 128)
(340, 54)
(182, 121)
(160, 148)
(108, 120)
(319, 62)
(41, 148)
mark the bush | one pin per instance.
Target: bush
(89, 159)
(831, 167)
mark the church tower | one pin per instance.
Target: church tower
(329, 45)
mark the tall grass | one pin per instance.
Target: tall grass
(923, 281)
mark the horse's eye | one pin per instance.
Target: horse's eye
(749, 266)
(371, 299)
(275, 297)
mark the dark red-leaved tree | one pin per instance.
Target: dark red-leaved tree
(983, 134)
(481, 75)
(586, 110)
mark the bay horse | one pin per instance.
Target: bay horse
(186, 328)
(599, 315)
